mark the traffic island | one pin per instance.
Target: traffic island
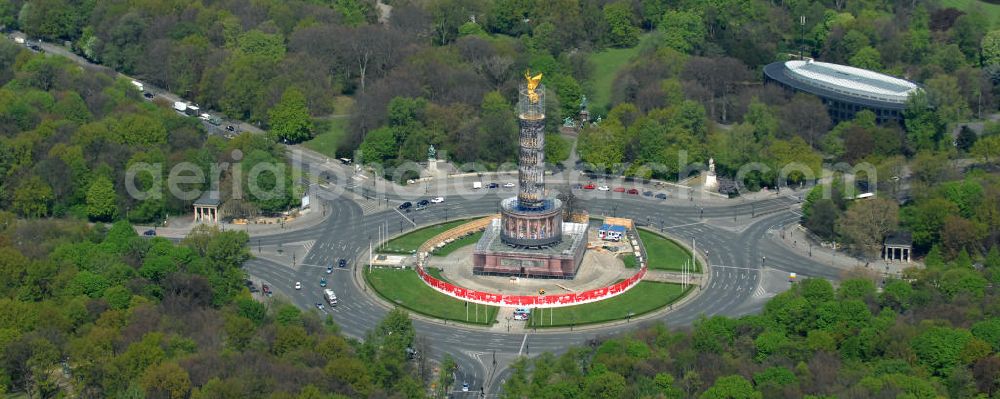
(645, 297)
(403, 288)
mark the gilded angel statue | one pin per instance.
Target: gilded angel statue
(533, 82)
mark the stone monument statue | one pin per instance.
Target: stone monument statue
(711, 183)
(432, 161)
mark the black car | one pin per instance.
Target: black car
(148, 95)
(494, 185)
(149, 232)
(34, 47)
(578, 186)
(342, 263)
(661, 196)
(423, 202)
(405, 205)
(231, 128)
(647, 193)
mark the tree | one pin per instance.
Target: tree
(867, 58)
(991, 48)
(379, 145)
(290, 117)
(867, 222)
(682, 30)
(166, 380)
(940, 347)
(32, 197)
(621, 31)
(987, 149)
(822, 219)
(102, 200)
(557, 149)
(731, 387)
(966, 138)
(606, 385)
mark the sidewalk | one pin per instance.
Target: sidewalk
(795, 238)
(181, 226)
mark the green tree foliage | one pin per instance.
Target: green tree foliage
(101, 200)
(289, 119)
(621, 32)
(682, 30)
(731, 387)
(32, 197)
(940, 348)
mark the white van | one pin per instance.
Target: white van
(330, 297)
(477, 185)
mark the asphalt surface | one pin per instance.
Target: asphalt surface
(735, 251)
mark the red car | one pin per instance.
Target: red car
(619, 189)
(589, 186)
(633, 191)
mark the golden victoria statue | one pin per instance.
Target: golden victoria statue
(532, 84)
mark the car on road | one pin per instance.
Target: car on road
(423, 203)
(149, 232)
(148, 95)
(319, 305)
(577, 186)
(329, 269)
(493, 185)
(619, 189)
(633, 191)
(34, 47)
(603, 188)
(465, 387)
(647, 193)
(405, 205)
(342, 263)
(661, 196)
(508, 184)
(437, 200)
(589, 186)
(322, 282)
(298, 285)
(231, 128)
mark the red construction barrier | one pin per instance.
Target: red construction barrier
(536, 301)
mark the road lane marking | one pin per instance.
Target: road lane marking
(523, 342)
(404, 217)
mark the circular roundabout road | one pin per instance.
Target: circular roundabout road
(737, 252)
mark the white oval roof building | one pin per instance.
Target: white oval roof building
(844, 89)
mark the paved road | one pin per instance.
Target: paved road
(736, 251)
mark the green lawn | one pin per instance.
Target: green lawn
(663, 253)
(329, 137)
(404, 288)
(630, 261)
(409, 242)
(459, 243)
(607, 63)
(436, 273)
(992, 10)
(645, 297)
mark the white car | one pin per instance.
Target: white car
(298, 285)
(437, 200)
(465, 387)
(604, 188)
(508, 184)
(205, 117)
